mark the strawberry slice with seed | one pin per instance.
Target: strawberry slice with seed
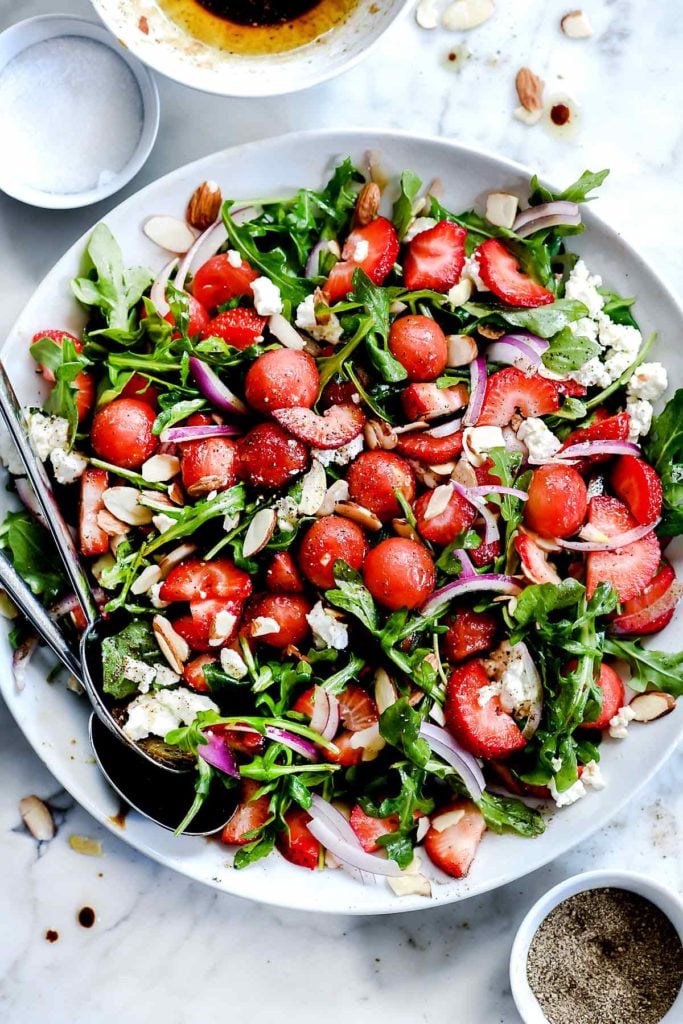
(297, 844)
(501, 273)
(509, 391)
(639, 487)
(653, 609)
(369, 829)
(485, 729)
(628, 569)
(454, 836)
(249, 815)
(435, 258)
(337, 426)
(373, 248)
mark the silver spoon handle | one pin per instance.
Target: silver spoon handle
(40, 619)
(13, 417)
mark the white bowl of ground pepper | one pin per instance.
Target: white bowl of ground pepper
(600, 948)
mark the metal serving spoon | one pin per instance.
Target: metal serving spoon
(155, 751)
(156, 794)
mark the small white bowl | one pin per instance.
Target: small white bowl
(18, 38)
(668, 902)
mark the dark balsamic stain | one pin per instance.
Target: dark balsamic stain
(51, 935)
(86, 917)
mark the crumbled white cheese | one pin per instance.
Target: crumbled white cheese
(592, 776)
(360, 250)
(584, 328)
(230, 522)
(592, 374)
(488, 692)
(583, 286)
(539, 439)
(233, 664)
(478, 441)
(640, 418)
(156, 714)
(47, 433)
(267, 298)
(471, 270)
(327, 630)
(339, 456)
(162, 522)
(649, 382)
(567, 796)
(520, 684)
(287, 512)
(305, 319)
(234, 258)
(618, 726)
(417, 226)
(556, 763)
(68, 466)
(305, 313)
(263, 625)
(154, 596)
(138, 672)
(165, 676)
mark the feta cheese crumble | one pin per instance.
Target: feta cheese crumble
(47, 433)
(640, 417)
(539, 439)
(520, 684)
(339, 456)
(331, 331)
(68, 466)
(583, 286)
(618, 726)
(361, 250)
(649, 382)
(592, 776)
(287, 513)
(267, 298)
(567, 796)
(419, 225)
(155, 714)
(471, 271)
(327, 630)
(234, 258)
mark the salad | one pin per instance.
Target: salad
(380, 501)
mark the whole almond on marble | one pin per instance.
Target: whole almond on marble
(529, 89)
(204, 205)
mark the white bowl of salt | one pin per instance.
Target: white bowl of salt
(78, 114)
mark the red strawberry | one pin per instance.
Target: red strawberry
(240, 327)
(511, 390)
(469, 633)
(613, 696)
(603, 428)
(486, 731)
(653, 609)
(337, 426)
(454, 837)
(424, 447)
(193, 673)
(535, 564)
(357, 709)
(427, 401)
(628, 569)
(196, 580)
(282, 575)
(249, 815)
(435, 258)
(382, 250)
(500, 271)
(639, 487)
(370, 829)
(297, 845)
(484, 554)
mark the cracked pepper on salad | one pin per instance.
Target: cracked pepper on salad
(384, 501)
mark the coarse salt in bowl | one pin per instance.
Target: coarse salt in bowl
(78, 114)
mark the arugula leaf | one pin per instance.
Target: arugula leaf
(569, 352)
(375, 301)
(31, 551)
(176, 411)
(663, 449)
(66, 365)
(107, 285)
(617, 308)
(352, 596)
(578, 192)
(503, 814)
(193, 516)
(136, 641)
(400, 725)
(546, 321)
(273, 264)
(659, 669)
(403, 207)
(539, 600)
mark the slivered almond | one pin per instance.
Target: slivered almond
(146, 580)
(169, 233)
(171, 644)
(175, 493)
(263, 625)
(313, 489)
(259, 531)
(529, 89)
(160, 468)
(501, 209)
(358, 514)
(464, 474)
(402, 528)
(647, 707)
(112, 526)
(379, 434)
(426, 476)
(443, 468)
(385, 691)
(175, 557)
(204, 205)
(466, 14)
(37, 817)
(443, 821)
(367, 204)
(221, 628)
(338, 491)
(576, 25)
(124, 503)
(461, 348)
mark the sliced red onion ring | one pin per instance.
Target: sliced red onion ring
(312, 263)
(64, 606)
(28, 498)
(465, 764)
(586, 448)
(469, 584)
(477, 391)
(349, 853)
(468, 569)
(213, 388)
(296, 743)
(516, 350)
(479, 492)
(491, 531)
(445, 429)
(547, 215)
(158, 290)
(325, 717)
(181, 434)
(335, 820)
(621, 540)
(209, 242)
(217, 753)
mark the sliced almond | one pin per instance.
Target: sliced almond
(464, 474)
(647, 707)
(369, 740)
(37, 817)
(462, 349)
(171, 644)
(379, 434)
(443, 821)
(169, 233)
(160, 468)
(576, 25)
(385, 691)
(338, 491)
(124, 503)
(367, 204)
(263, 625)
(358, 514)
(259, 531)
(175, 493)
(162, 522)
(501, 209)
(175, 557)
(221, 628)
(461, 292)
(467, 14)
(112, 526)
(402, 528)
(443, 468)
(88, 847)
(410, 885)
(146, 580)
(313, 489)
(426, 476)
(529, 89)
(490, 332)
(204, 205)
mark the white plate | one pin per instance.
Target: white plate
(54, 720)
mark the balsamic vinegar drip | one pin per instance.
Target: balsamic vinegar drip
(259, 12)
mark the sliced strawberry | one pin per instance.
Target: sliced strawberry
(357, 709)
(639, 487)
(613, 696)
(282, 575)
(535, 564)
(424, 447)
(379, 241)
(297, 844)
(486, 731)
(196, 580)
(435, 258)
(427, 401)
(193, 673)
(198, 627)
(628, 569)
(469, 633)
(501, 273)
(653, 609)
(337, 426)
(509, 391)
(369, 829)
(240, 327)
(249, 815)
(347, 753)
(603, 428)
(92, 538)
(454, 837)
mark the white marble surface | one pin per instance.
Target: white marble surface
(162, 947)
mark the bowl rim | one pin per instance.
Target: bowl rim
(663, 897)
(157, 59)
(56, 26)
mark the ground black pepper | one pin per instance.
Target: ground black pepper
(605, 956)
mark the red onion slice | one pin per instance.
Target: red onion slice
(468, 569)
(296, 743)
(445, 429)
(64, 606)
(335, 820)
(588, 448)
(547, 215)
(181, 434)
(281, 329)
(497, 489)
(348, 853)
(621, 540)
(217, 753)
(442, 743)
(325, 718)
(470, 584)
(209, 242)
(477, 391)
(158, 290)
(213, 388)
(516, 350)
(491, 531)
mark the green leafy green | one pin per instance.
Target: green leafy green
(400, 726)
(539, 600)
(569, 352)
(507, 814)
(546, 321)
(135, 641)
(31, 551)
(663, 449)
(658, 669)
(107, 285)
(375, 301)
(403, 207)
(351, 595)
(578, 192)
(66, 365)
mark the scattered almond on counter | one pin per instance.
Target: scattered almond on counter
(576, 25)
(204, 205)
(463, 15)
(37, 817)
